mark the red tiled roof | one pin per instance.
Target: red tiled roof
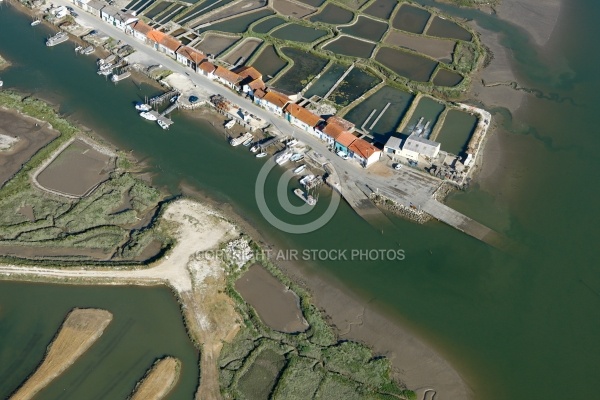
(207, 67)
(333, 130)
(141, 27)
(248, 72)
(170, 43)
(363, 148)
(276, 99)
(156, 36)
(341, 122)
(228, 75)
(303, 114)
(191, 54)
(257, 84)
(345, 138)
(260, 93)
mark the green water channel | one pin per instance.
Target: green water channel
(517, 326)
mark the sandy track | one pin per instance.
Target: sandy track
(159, 380)
(81, 329)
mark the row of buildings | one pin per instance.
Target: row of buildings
(246, 80)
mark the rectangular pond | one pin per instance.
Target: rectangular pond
(366, 28)
(381, 8)
(306, 67)
(238, 24)
(409, 65)
(399, 102)
(350, 46)
(456, 131)
(356, 83)
(411, 19)
(268, 24)
(444, 28)
(428, 109)
(326, 81)
(298, 33)
(268, 62)
(332, 14)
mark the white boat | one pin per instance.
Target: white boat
(88, 50)
(36, 22)
(143, 107)
(241, 139)
(308, 199)
(78, 49)
(117, 78)
(307, 179)
(282, 158)
(261, 155)
(254, 148)
(297, 157)
(230, 124)
(162, 124)
(1, 83)
(174, 99)
(291, 142)
(247, 142)
(59, 38)
(300, 169)
(148, 115)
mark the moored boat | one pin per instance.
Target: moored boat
(143, 107)
(59, 38)
(162, 124)
(308, 199)
(297, 157)
(150, 116)
(241, 139)
(307, 179)
(254, 148)
(36, 22)
(247, 142)
(282, 158)
(88, 50)
(261, 155)
(300, 169)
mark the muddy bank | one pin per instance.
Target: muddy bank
(277, 306)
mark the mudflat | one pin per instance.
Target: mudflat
(31, 136)
(81, 329)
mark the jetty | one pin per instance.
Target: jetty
(163, 97)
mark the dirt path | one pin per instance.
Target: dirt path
(81, 329)
(199, 282)
(159, 380)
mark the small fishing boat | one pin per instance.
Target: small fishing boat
(297, 157)
(307, 179)
(247, 142)
(241, 139)
(282, 158)
(162, 124)
(88, 50)
(291, 142)
(78, 49)
(143, 107)
(230, 124)
(1, 83)
(150, 116)
(254, 148)
(174, 99)
(308, 199)
(299, 169)
(36, 22)
(261, 155)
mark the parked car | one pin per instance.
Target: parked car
(397, 166)
(342, 154)
(193, 99)
(74, 14)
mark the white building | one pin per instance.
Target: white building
(139, 30)
(416, 145)
(393, 147)
(272, 101)
(117, 17)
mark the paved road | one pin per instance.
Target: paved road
(406, 186)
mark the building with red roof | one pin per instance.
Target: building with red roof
(364, 152)
(301, 117)
(190, 57)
